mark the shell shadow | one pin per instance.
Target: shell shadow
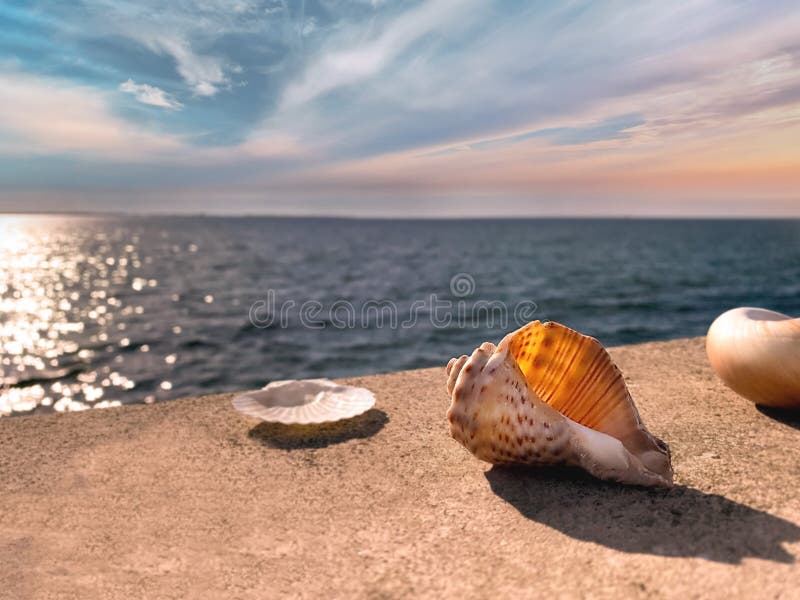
(678, 522)
(786, 416)
(293, 437)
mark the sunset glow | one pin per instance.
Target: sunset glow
(436, 108)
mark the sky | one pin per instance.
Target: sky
(393, 108)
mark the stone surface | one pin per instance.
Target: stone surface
(189, 499)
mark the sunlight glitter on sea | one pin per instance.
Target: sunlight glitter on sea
(50, 291)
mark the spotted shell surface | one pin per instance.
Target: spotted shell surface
(548, 395)
(305, 401)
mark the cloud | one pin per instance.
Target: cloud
(437, 75)
(204, 74)
(186, 33)
(347, 63)
(148, 94)
(436, 97)
(611, 128)
(46, 115)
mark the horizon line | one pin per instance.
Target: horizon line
(391, 217)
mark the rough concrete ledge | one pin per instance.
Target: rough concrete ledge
(189, 499)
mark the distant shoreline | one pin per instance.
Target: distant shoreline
(324, 217)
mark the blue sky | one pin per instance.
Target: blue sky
(442, 107)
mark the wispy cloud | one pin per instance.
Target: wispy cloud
(612, 128)
(355, 54)
(204, 74)
(148, 94)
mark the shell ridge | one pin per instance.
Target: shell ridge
(580, 395)
(565, 370)
(599, 405)
(567, 342)
(608, 408)
(304, 401)
(577, 398)
(546, 375)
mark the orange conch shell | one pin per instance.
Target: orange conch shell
(549, 395)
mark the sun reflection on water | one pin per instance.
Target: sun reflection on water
(58, 313)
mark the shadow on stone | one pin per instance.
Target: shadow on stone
(678, 522)
(784, 415)
(291, 437)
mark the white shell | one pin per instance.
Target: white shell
(305, 401)
(756, 352)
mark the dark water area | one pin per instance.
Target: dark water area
(96, 311)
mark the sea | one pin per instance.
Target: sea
(97, 311)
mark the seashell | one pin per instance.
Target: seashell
(548, 395)
(756, 352)
(305, 401)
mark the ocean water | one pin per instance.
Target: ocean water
(97, 311)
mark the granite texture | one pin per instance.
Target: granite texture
(189, 499)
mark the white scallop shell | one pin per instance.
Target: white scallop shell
(304, 401)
